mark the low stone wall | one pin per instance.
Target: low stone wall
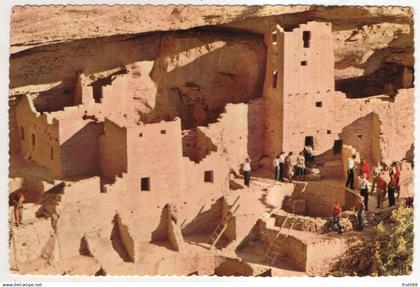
(126, 239)
(350, 198)
(321, 255)
(312, 224)
(232, 267)
(291, 247)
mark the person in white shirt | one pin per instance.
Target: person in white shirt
(300, 164)
(350, 172)
(364, 189)
(308, 153)
(281, 165)
(247, 172)
(276, 167)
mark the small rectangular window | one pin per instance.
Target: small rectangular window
(145, 184)
(359, 136)
(22, 133)
(303, 63)
(208, 176)
(33, 140)
(318, 104)
(163, 132)
(328, 132)
(306, 39)
(140, 135)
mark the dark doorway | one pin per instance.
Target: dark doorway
(338, 145)
(309, 140)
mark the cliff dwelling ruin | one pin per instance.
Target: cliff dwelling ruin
(129, 145)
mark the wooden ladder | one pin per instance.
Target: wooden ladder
(221, 227)
(275, 246)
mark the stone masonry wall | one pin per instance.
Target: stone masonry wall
(113, 150)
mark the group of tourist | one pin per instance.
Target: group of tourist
(380, 187)
(283, 164)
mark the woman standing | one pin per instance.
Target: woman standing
(288, 167)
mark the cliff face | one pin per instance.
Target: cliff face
(219, 59)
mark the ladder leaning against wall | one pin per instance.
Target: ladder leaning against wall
(275, 246)
(221, 227)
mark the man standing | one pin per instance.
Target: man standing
(392, 187)
(360, 210)
(380, 184)
(300, 163)
(365, 168)
(18, 206)
(350, 172)
(281, 165)
(337, 212)
(397, 174)
(308, 153)
(276, 167)
(364, 189)
(247, 172)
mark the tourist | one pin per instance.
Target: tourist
(392, 187)
(364, 189)
(308, 153)
(380, 185)
(276, 167)
(350, 172)
(300, 164)
(18, 206)
(288, 166)
(397, 175)
(409, 202)
(360, 210)
(365, 168)
(337, 212)
(281, 165)
(247, 171)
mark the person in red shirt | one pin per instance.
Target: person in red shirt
(392, 186)
(337, 212)
(365, 168)
(397, 173)
(380, 185)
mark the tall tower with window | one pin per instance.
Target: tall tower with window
(299, 87)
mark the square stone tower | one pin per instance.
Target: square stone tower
(299, 88)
